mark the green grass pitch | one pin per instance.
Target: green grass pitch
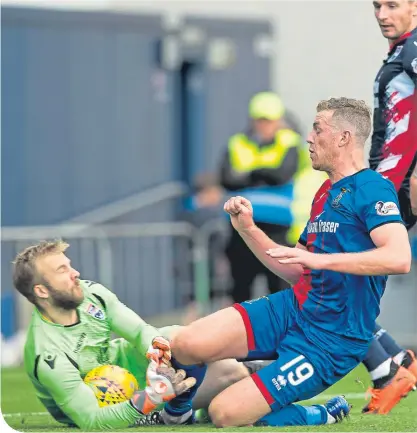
(23, 412)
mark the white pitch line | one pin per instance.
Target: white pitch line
(351, 396)
(9, 415)
(348, 396)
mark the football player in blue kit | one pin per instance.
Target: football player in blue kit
(319, 329)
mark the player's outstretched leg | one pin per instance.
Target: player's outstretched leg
(246, 331)
(252, 401)
(221, 335)
(219, 376)
(391, 370)
(333, 411)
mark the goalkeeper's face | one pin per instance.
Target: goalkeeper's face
(60, 281)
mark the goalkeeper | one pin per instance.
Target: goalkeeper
(69, 335)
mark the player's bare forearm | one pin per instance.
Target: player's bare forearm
(379, 261)
(391, 255)
(259, 243)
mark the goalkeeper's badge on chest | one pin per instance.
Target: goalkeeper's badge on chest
(96, 312)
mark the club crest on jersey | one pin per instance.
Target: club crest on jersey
(336, 200)
(396, 54)
(414, 65)
(94, 311)
(387, 208)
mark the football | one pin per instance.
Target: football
(111, 384)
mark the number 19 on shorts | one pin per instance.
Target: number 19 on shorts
(301, 373)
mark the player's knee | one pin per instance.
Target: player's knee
(220, 414)
(184, 346)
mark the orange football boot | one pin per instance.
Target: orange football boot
(385, 397)
(410, 363)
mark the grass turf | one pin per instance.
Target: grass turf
(21, 409)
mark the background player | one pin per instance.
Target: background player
(70, 334)
(322, 327)
(394, 155)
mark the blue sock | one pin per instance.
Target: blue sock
(183, 403)
(387, 342)
(294, 414)
(376, 355)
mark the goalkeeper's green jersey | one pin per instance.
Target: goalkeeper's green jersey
(58, 357)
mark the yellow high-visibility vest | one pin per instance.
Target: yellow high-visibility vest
(246, 155)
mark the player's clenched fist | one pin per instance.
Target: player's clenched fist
(163, 384)
(241, 213)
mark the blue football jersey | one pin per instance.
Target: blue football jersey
(342, 217)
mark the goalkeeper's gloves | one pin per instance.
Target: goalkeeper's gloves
(163, 384)
(160, 350)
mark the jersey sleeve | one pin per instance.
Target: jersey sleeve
(377, 204)
(60, 377)
(125, 322)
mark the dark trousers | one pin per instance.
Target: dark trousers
(405, 207)
(245, 266)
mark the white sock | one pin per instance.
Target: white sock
(172, 419)
(398, 359)
(330, 419)
(382, 370)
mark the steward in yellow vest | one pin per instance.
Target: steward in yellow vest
(268, 155)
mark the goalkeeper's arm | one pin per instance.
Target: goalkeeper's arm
(78, 401)
(127, 324)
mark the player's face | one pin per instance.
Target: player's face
(322, 143)
(395, 17)
(61, 281)
(265, 129)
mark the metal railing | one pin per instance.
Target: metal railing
(143, 199)
(136, 261)
(133, 260)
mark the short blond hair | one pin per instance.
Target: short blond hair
(25, 274)
(353, 111)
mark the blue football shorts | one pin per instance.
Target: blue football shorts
(303, 366)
